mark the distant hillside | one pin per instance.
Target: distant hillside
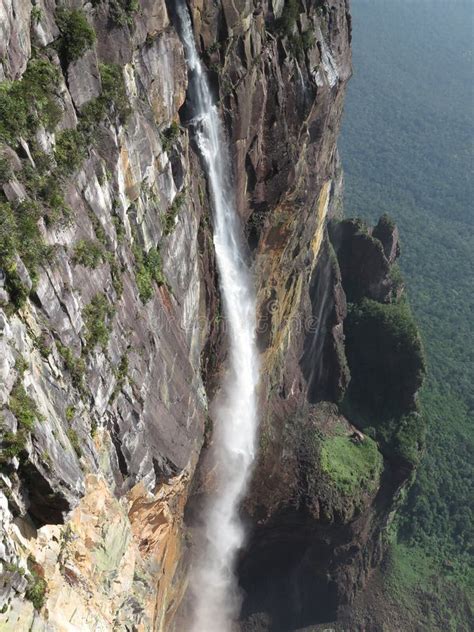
(407, 150)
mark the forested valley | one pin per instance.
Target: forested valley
(406, 148)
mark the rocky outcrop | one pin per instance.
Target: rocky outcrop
(365, 258)
(111, 332)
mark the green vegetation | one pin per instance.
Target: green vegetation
(23, 407)
(114, 94)
(74, 441)
(151, 270)
(36, 589)
(70, 412)
(121, 375)
(170, 136)
(75, 365)
(44, 185)
(286, 26)
(122, 11)
(5, 171)
(88, 253)
(384, 229)
(407, 151)
(91, 253)
(36, 15)
(308, 40)
(387, 363)
(143, 280)
(301, 43)
(69, 151)
(21, 365)
(20, 236)
(30, 102)
(113, 99)
(154, 264)
(119, 229)
(122, 370)
(98, 228)
(148, 269)
(286, 23)
(117, 280)
(386, 358)
(396, 277)
(415, 578)
(36, 584)
(43, 344)
(439, 513)
(169, 218)
(13, 444)
(77, 35)
(97, 315)
(24, 106)
(351, 466)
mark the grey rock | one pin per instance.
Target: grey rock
(15, 45)
(26, 149)
(18, 582)
(11, 156)
(9, 420)
(84, 79)
(14, 191)
(23, 273)
(45, 29)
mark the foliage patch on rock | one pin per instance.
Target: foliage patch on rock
(30, 102)
(97, 315)
(351, 466)
(77, 35)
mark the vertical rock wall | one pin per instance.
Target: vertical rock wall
(105, 350)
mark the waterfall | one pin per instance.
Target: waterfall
(215, 601)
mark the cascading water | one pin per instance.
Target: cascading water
(215, 601)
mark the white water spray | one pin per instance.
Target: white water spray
(215, 596)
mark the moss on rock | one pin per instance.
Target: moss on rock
(351, 467)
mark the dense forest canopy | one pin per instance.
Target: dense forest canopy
(406, 148)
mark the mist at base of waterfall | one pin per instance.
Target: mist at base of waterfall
(215, 601)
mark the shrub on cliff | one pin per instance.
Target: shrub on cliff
(70, 151)
(97, 315)
(21, 242)
(287, 21)
(121, 11)
(36, 585)
(88, 253)
(170, 217)
(148, 269)
(113, 99)
(385, 357)
(23, 407)
(77, 35)
(29, 101)
(170, 136)
(409, 439)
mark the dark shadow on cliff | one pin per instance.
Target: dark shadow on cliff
(283, 573)
(323, 363)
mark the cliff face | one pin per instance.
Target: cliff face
(106, 349)
(111, 337)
